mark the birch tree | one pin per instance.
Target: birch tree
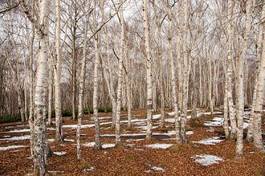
(148, 69)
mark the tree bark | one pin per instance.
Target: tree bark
(148, 70)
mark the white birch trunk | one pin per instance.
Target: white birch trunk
(148, 70)
(40, 92)
(257, 132)
(57, 76)
(230, 31)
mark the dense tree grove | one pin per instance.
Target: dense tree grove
(72, 57)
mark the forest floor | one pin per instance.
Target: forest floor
(207, 153)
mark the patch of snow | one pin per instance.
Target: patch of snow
(59, 153)
(11, 147)
(209, 141)
(141, 123)
(69, 140)
(89, 144)
(159, 146)
(155, 169)
(75, 126)
(170, 120)
(171, 113)
(145, 127)
(19, 130)
(214, 113)
(16, 138)
(207, 160)
(51, 140)
(134, 140)
(156, 116)
(88, 169)
(6, 136)
(189, 132)
(124, 135)
(104, 118)
(106, 146)
(217, 121)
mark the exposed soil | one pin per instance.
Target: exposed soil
(133, 157)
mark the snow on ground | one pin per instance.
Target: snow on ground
(104, 118)
(217, 121)
(104, 146)
(134, 140)
(89, 169)
(51, 140)
(171, 113)
(156, 116)
(59, 153)
(69, 140)
(159, 146)
(145, 127)
(19, 130)
(207, 160)
(170, 120)
(209, 141)
(155, 169)
(11, 147)
(89, 144)
(16, 138)
(124, 135)
(189, 132)
(75, 126)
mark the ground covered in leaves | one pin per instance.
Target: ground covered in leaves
(207, 153)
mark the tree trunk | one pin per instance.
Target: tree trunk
(230, 31)
(148, 70)
(40, 92)
(257, 132)
(95, 94)
(57, 76)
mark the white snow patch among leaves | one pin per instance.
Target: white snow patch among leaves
(104, 146)
(89, 144)
(88, 169)
(209, 141)
(19, 130)
(170, 120)
(207, 160)
(75, 126)
(159, 146)
(16, 138)
(155, 169)
(156, 116)
(51, 140)
(189, 132)
(11, 147)
(217, 121)
(134, 140)
(69, 140)
(124, 135)
(59, 153)
(171, 113)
